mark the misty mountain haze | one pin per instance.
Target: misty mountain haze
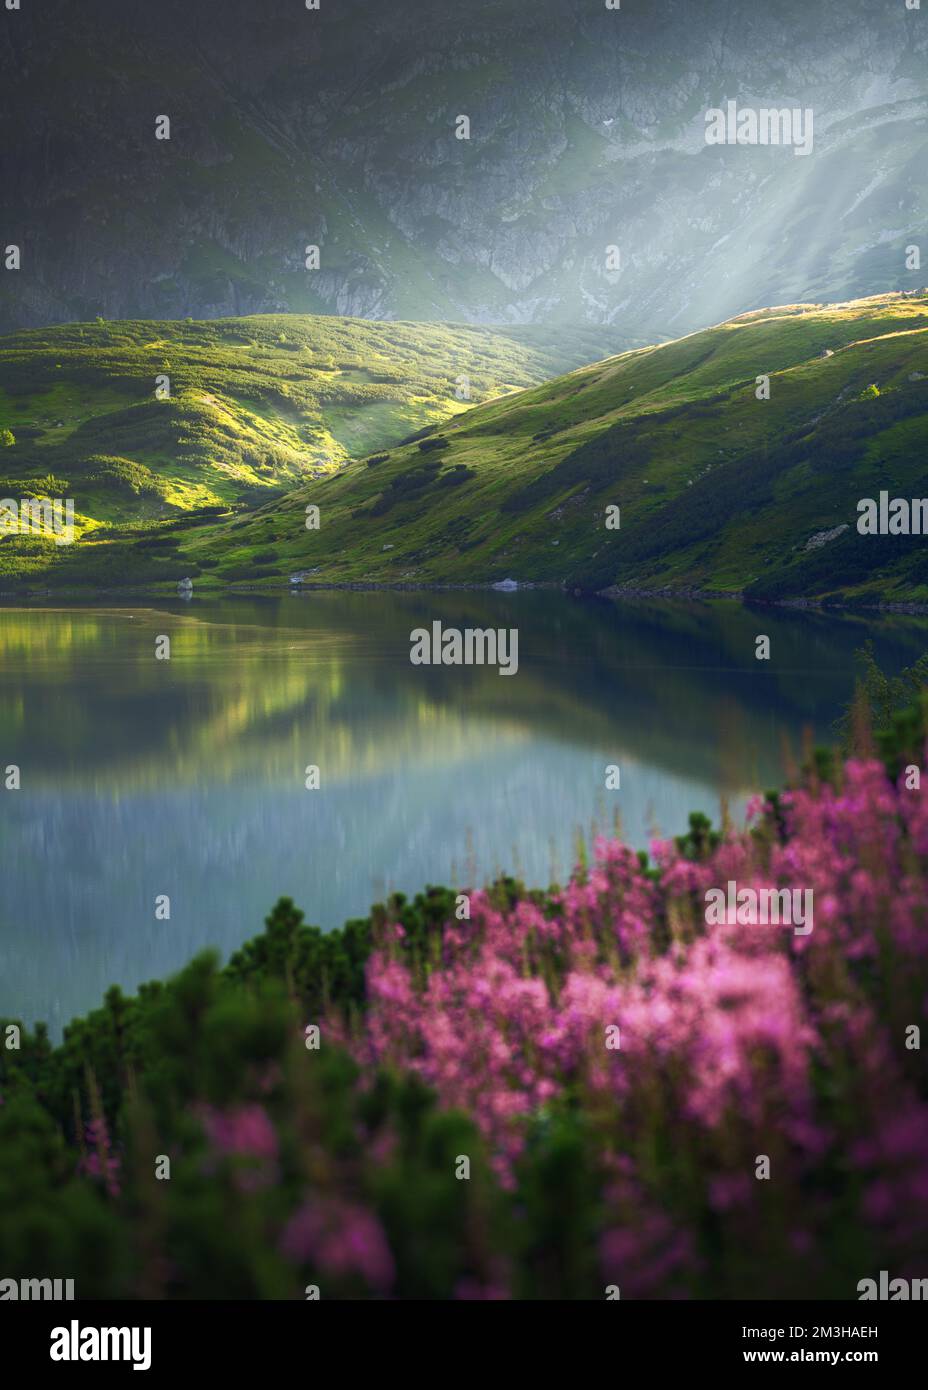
(334, 128)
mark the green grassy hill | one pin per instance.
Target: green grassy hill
(717, 489)
(256, 405)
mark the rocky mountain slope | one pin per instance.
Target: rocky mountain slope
(337, 128)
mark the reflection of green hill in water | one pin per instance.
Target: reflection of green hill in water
(261, 688)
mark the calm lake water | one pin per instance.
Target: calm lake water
(186, 777)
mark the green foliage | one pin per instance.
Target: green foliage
(144, 1068)
(701, 841)
(891, 707)
(324, 966)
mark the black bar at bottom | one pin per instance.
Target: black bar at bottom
(427, 1341)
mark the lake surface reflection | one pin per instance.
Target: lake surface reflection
(186, 777)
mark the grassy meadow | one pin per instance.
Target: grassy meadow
(154, 428)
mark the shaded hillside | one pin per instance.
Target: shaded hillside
(255, 406)
(716, 488)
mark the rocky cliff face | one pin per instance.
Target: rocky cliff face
(337, 128)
